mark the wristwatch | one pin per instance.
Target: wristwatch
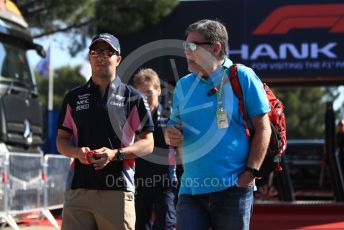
(255, 172)
(120, 155)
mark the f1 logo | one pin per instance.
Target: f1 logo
(290, 17)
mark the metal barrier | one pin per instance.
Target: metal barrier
(3, 172)
(31, 182)
(55, 173)
(25, 182)
(56, 169)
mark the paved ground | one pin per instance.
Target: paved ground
(279, 216)
(32, 227)
(35, 224)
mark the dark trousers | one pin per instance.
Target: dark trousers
(162, 201)
(229, 209)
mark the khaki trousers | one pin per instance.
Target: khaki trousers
(98, 209)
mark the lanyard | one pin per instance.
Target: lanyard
(217, 89)
(220, 90)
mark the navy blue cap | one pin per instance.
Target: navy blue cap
(108, 38)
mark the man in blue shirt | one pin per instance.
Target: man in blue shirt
(219, 160)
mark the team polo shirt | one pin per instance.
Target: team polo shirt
(213, 158)
(110, 121)
(157, 170)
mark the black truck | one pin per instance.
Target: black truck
(21, 117)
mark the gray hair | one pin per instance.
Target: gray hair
(213, 31)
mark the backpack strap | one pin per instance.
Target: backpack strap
(234, 79)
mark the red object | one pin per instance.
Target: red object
(278, 168)
(312, 215)
(4, 178)
(290, 17)
(278, 140)
(44, 176)
(89, 155)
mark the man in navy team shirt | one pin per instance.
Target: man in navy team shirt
(104, 125)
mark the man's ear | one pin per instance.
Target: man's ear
(119, 59)
(217, 48)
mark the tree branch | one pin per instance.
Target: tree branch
(32, 8)
(72, 26)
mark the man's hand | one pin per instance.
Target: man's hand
(102, 157)
(245, 180)
(173, 136)
(83, 156)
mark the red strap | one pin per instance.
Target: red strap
(233, 77)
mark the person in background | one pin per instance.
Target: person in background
(220, 162)
(155, 174)
(104, 125)
(340, 142)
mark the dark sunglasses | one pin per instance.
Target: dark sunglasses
(192, 46)
(103, 53)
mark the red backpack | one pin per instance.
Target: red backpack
(278, 140)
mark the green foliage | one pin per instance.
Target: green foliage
(65, 78)
(84, 18)
(49, 16)
(332, 94)
(305, 112)
(128, 16)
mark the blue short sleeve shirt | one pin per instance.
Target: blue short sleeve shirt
(214, 157)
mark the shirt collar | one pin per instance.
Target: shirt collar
(116, 82)
(227, 63)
